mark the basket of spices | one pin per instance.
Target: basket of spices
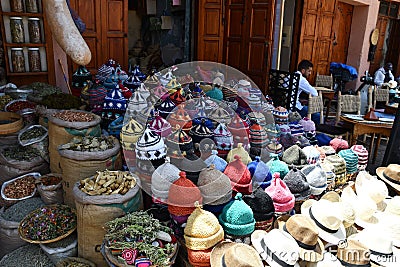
(20, 188)
(139, 238)
(10, 122)
(48, 224)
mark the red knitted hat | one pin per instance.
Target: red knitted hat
(199, 257)
(182, 195)
(240, 176)
(180, 117)
(177, 97)
(240, 131)
(339, 144)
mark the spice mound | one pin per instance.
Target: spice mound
(21, 153)
(74, 116)
(18, 105)
(20, 188)
(50, 180)
(108, 183)
(46, 224)
(33, 133)
(89, 143)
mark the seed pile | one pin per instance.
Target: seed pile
(108, 183)
(19, 210)
(29, 255)
(89, 143)
(21, 153)
(74, 116)
(33, 133)
(20, 188)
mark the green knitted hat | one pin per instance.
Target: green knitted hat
(237, 217)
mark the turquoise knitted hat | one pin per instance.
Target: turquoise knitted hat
(351, 159)
(237, 218)
(215, 93)
(275, 165)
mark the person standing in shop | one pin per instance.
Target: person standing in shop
(384, 74)
(305, 68)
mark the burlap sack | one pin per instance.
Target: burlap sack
(92, 214)
(9, 237)
(61, 132)
(51, 194)
(76, 166)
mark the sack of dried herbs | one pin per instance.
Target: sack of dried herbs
(9, 222)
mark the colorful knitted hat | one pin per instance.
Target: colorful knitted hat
(202, 230)
(203, 120)
(240, 176)
(200, 132)
(173, 85)
(241, 152)
(281, 115)
(312, 138)
(166, 108)
(161, 92)
(199, 258)
(177, 97)
(275, 148)
(302, 141)
(260, 173)
(223, 139)
(261, 204)
(294, 116)
(296, 129)
(275, 165)
(328, 150)
(269, 117)
(130, 134)
(330, 174)
(178, 143)
(308, 124)
(214, 186)
(362, 154)
(351, 159)
(182, 195)
(240, 131)
(220, 115)
(160, 126)
(294, 155)
(254, 101)
(338, 144)
(258, 136)
(316, 178)
(287, 140)
(313, 155)
(180, 117)
(281, 196)
(133, 82)
(339, 168)
(115, 101)
(150, 146)
(105, 70)
(215, 93)
(284, 129)
(97, 93)
(237, 218)
(162, 179)
(219, 163)
(273, 131)
(296, 181)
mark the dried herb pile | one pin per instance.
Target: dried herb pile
(138, 231)
(61, 101)
(33, 133)
(89, 143)
(21, 153)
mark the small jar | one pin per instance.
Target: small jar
(17, 59)
(34, 59)
(32, 6)
(17, 30)
(16, 6)
(34, 30)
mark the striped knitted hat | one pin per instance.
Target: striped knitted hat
(182, 195)
(214, 186)
(223, 139)
(240, 176)
(220, 115)
(328, 150)
(258, 136)
(362, 154)
(240, 131)
(281, 115)
(97, 93)
(202, 230)
(257, 117)
(180, 117)
(130, 134)
(275, 148)
(284, 129)
(178, 144)
(351, 159)
(229, 93)
(200, 132)
(339, 168)
(115, 101)
(254, 101)
(166, 108)
(296, 129)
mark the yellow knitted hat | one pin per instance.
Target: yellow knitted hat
(241, 152)
(202, 230)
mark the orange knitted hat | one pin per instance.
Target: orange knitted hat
(200, 258)
(182, 195)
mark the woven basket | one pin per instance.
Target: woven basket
(70, 260)
(23, 237)
(14, 126)
(114, 260)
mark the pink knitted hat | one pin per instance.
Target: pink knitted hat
(239, 175)
(308, 125)
(339, 144)
(281, 196)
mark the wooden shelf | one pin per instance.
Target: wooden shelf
(24, 45)
(27, 73)
(21, 14)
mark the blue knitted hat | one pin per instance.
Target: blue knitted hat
(219, 163)
(215, 93)
(237, 218)
(296, 129)
(260, 173)
(275, 165)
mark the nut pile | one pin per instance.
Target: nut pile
(21, 153)
(33, 133)
(108, 183)
(89, 143)
(20, 188)
(20, 105)
(50, 180)
(74, 116)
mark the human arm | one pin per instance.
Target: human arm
(379, 77)
(306, 87)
